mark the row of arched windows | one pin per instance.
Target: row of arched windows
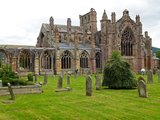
(66, 60)
(26, 60)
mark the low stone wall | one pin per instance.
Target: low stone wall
(31, 89)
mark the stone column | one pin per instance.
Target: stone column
(93, 65)
(36, 65)
(58, 62)
(14, 64)
(52, 67)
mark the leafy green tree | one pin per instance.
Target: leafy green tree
(117, 73)
(158, 54)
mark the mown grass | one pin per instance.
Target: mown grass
(105, 104)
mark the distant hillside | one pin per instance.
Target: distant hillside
(154, 49)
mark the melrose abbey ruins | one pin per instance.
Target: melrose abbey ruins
(69, 48)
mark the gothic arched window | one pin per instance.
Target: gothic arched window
(84, 60)
(127, 41)
(66, 60)
(24, 60)
(98, 60)
(2, 58)
(46, 60)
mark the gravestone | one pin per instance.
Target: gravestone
(0, 83)
(68, 80)
(36, 78)
(98, 82)
(149, 76)
(88, 86)
(158, 73)
(75, 74)
(45, 78)
(60, 82)
(11, 92)
(142, 90)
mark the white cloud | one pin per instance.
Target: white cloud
(21, 19)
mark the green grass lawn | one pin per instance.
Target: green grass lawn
(105, 104)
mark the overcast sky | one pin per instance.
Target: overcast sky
(20, 20)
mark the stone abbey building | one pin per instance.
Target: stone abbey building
(82, 48)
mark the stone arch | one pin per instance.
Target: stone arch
(84, 59)
(127, 42)
(46, 58)
(66, 60)
(24, 60)
(4, 56)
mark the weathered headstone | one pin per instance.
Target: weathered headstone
(75, 74)
(11, 92)
(158, 73)
(149, 76)
(60, 82)
(0, 83)
(68, 80)
(98, 82)
(36, 78)
(45, 79)
(142, 90)
(88, 86)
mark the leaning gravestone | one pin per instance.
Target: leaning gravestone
(98, 82)
(0, 83)
(11, 92)
(142, 90)
(149, 76)
(88, 86)
(45, 79)
(60, 82)
(68, 80)
(158, 72)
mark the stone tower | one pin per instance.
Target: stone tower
(89, 21)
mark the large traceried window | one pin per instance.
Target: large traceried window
(127, 41)
(84, 60)
(24, 60)
(46, 60)
(66, 60)
(98, 60)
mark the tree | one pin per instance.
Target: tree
(117, 73)
(158, 54)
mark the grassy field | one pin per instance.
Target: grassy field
(105, 104)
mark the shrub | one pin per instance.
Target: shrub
(29, 83)
(117, 73)
(14, 81)
(30, 77)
